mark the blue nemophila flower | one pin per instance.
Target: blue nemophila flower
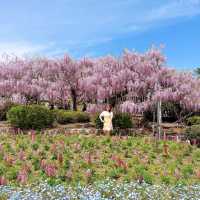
(105, 190)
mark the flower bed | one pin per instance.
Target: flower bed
(105, 190)
(86, 158)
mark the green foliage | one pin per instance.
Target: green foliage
(2, 169)
(98, 122)
(197, 71)
(65, 117)
(46, 147)
(30, 117)
(194, 120)
(148, 178)
(114, 173)
(66, 164)
(143, 173)
(170, 112)
(12, 173)
(193, 132)
(187, 171)
(82, 117)
(35, 146)
(166, 179)
(4, 109)
(36, 163)
(4, 196)
(91, 158)
(120, 121)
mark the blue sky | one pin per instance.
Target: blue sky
(99, 27)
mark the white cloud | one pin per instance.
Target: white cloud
(97, 27)
(155, 16)
(74, 47)
(21, 49)
(88, 43)
(173, 9)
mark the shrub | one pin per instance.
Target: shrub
(114, 173)
(64, 117)
(12, 173)
(142, 173)
(82, 117)
(166, 179)
(30, 117)
(193, 133)
(194, 120)
(148, 178)
(187, 171)
(36, 163)
(120, 121)
(170, 112)
(98, 122)
(4, 109)
(35, 146)
(2, 169)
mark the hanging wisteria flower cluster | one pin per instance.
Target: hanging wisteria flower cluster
(137, 80)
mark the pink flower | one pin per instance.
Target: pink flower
(77, 146)
(62, 143)
(88, 173)
(69, 174)
(43, 164)
(60, 157)
(88, 158)
(33, 136)
(3, 180)
(119, 162)
(8, 159)
(1, 147)
(22, 176)
(21, 155)
(53, 148)
(50, 170)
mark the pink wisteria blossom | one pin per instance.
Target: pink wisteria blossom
(135, 81)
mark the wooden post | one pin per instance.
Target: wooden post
(159, 118)
(153, 123)
(164, 136)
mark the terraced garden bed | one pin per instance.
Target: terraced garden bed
(76, 166)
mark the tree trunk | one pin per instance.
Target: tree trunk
(74, 100)
(84, 108)
(51, 106)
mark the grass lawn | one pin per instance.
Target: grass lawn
(84, 159)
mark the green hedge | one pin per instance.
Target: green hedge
(193, 133)
(120, 121)
(30, 117)
(65, 117)
(194, 120)
(4, 109)
(98, 122)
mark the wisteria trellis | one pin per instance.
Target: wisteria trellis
(130, 76)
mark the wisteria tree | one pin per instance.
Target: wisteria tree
(134, 82)
(140, 81)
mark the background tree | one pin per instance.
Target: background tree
(197, 71)
(133, 81)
